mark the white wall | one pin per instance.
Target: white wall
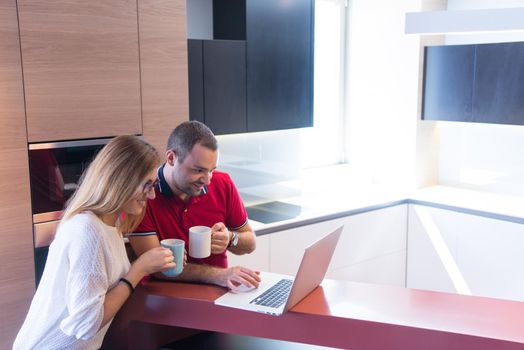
(485, 157)
(383, 90)
(383, 106)
(200, 19)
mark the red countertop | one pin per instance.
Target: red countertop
(339, 314)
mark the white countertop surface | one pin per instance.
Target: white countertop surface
(325, 192)
(474, 200)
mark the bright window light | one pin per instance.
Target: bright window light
(322, 144)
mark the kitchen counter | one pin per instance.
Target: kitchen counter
(307, 200)
(338, 314)
(492, 205)
(314, 198)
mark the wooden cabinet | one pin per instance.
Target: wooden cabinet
(372, 247)
(81, 79)
(164, 72)
(81, 68)
(481, 83)
(17, 277)
(459, 252)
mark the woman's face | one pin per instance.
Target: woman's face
(146, 191)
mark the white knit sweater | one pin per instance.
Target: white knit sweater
(86, 259)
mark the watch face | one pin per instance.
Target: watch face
(235, 239)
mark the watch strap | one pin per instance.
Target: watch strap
(234, 239)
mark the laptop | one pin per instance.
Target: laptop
(278, 293)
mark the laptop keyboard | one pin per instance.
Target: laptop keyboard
(274, 296)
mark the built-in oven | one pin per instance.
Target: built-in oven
(55, 169)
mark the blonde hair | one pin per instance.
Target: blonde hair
(112, 179)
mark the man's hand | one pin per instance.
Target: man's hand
(233, 277)
(220, 237)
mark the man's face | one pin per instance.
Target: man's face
(190, 176)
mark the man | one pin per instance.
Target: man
(191, 192)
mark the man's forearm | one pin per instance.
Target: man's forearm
(198, 273)
(246, 243)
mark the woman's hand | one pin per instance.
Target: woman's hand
(155, 260)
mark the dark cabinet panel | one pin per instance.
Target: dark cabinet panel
(280, 64)
(499, 84)
(196, 80)
(448, 82)
(481, 83)
(262, 83)
(225, 85)
(229, 19)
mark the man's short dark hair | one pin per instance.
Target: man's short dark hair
(186, 135)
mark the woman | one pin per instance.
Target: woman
(88, 277)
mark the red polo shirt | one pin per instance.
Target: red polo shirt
(168, 216)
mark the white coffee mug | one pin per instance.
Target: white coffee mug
(199, 242)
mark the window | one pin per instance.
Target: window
(280, 155)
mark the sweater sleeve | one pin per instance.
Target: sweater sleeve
(86, 286)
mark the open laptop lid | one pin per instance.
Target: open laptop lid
(313, 267)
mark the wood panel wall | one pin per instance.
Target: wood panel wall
(81, 68)
(163, 67)
(76, 64)
(17, 276)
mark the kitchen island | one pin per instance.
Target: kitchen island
(339, 314)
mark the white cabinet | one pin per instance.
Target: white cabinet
(386, 270)
(425, 269)
(258, 260)
(287, 247)
(458, 252)
(411, 245)
(372, 247)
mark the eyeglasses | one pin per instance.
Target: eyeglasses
(148, 186)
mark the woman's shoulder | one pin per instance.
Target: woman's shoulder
(80, 219)
(85, 223)
(81, 230)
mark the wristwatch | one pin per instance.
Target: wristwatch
(233, 242)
